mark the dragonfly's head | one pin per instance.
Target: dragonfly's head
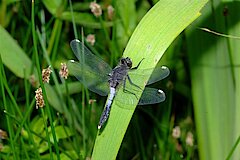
(126, 62)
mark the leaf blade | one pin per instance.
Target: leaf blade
(13, 56)
(146, 42)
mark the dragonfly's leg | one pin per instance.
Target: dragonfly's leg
(125, 90)
(130, 81)
(137, 65)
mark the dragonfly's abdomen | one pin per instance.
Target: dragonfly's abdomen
(107, 109)
(117, 75)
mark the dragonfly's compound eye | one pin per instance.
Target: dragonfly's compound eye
(128, 62)
(122, 60)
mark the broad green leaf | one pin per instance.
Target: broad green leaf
(12, 1)
(127, 23)
(73, 154)
(37, 126)
(156, 31)
(53, 97)
(62, 132)
(85, 19)
(234, 29)
(52, 5)
(215, 80)
(13, 56)
(63, 156)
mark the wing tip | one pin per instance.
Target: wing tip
(160, 91)
(162, 94)
(164, 67)
(76, 40)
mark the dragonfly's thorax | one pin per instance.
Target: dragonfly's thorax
(119, 73)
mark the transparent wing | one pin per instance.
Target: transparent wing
(151, 96)
(90, 70)
(158, 74)
(86, 58)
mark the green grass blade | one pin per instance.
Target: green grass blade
(55, 144)
(150, 40)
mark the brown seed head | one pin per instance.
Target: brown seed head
(95, 9)
(110, 11)
(3, 134)
(46, 74)
(63, 70)
(91, 101)
(91, 39)
(176, 132)
(39, 98)
(189, 139)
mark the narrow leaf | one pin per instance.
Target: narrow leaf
(160, 26)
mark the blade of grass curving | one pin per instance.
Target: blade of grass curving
(153, 35)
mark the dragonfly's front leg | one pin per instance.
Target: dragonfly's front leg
(130, 81)
(134, 68)
(127, 91)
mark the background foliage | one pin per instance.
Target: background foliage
(202, 91)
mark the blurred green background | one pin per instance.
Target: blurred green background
(199, 119)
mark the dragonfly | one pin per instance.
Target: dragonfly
(95, 74)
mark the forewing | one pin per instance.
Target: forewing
(90, 70)
(86, 58)
(158, 74)
(151, 96)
